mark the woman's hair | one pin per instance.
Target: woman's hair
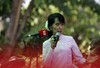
(51, 19)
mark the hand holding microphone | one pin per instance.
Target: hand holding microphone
(54, 40)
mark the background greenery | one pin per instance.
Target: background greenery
(82, 19)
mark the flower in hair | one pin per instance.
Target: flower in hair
(46, 26)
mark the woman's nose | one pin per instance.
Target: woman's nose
(60, 26)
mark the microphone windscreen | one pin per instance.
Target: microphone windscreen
(43, 33)
(58, 34)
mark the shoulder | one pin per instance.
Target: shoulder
(46, 42)
(66, 37)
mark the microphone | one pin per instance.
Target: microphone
(43, 33)
(40, 34)
(39, 37)
(55, 39)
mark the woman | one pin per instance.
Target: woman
(58, 53)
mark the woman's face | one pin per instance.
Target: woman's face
(57, 26)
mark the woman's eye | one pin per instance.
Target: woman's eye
(57, 24)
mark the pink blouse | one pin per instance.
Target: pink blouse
(61, 56)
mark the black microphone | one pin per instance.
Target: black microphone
(55, 39)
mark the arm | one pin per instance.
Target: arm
(76, 52)
(45, 49)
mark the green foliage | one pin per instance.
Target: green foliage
(91, 3)
(5, 7)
